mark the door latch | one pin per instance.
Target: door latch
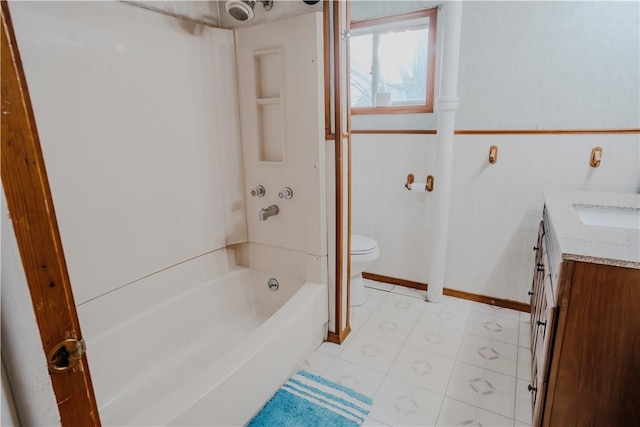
(65, 355)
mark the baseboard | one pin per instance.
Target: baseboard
(395, 281)
(499, 302)
(339, 338)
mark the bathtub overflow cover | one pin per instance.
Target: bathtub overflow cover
(273, 284)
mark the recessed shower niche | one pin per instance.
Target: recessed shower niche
(268, 69)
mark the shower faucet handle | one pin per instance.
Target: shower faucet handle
(286, 193)
(258, 191)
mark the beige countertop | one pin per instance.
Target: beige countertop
(600, 244)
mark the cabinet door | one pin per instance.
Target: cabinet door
(545, 332)
(546, 328)
(538, 297)
(538, 320)
(537, 399)
(538, 275)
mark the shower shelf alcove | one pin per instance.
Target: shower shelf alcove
(268, 70)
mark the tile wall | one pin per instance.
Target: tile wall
(495, 209)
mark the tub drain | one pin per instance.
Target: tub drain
(273, 284)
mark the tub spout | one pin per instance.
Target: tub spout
(267, 212)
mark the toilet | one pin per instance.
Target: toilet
(364, 251)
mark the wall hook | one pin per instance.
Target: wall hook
(493, 154)
(429, 186)
(596, 156)
(410, 179)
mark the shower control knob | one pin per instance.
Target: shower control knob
(286, 193)
(258, 191)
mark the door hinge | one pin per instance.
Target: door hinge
(66, 355)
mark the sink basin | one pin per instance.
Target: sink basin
(609, 216)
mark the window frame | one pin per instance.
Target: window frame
(427, 107)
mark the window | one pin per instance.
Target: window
(392, 63)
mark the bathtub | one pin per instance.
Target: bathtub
(209, 355)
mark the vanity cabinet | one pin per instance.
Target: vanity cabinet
(585, 339)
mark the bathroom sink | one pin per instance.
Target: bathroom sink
(609, 216)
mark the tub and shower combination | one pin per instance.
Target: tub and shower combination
(139, 119)
(211, 354)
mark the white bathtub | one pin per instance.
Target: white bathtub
(211, 355)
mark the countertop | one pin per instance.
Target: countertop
(593, 243)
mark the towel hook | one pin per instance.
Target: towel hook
(493, 154)
(596, 156)
(410, 179)
(429, 186)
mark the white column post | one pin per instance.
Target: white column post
(446, 106)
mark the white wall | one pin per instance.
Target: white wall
(135, 113)
(495, 209)
(382, 208)
(8, 413)
(202, 11)
(549, 65)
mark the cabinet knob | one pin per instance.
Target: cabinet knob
(535, 248)
(530, 388)
(540, 323)
(530, 293)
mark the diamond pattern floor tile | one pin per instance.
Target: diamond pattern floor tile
(402, 404)
(454, 363)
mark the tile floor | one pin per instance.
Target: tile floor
(454, 363)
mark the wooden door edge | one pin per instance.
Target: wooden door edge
(30, 205)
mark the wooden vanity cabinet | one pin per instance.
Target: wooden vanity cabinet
(585, 340)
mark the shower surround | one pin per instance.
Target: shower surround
(140, 124)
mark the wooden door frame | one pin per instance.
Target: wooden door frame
(30, 206)
(333, 15)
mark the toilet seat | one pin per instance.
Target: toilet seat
(361, 245)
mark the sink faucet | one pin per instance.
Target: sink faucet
(267, 212)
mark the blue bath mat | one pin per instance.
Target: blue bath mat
(307, 400)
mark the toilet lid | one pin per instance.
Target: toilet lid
(362, 245)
